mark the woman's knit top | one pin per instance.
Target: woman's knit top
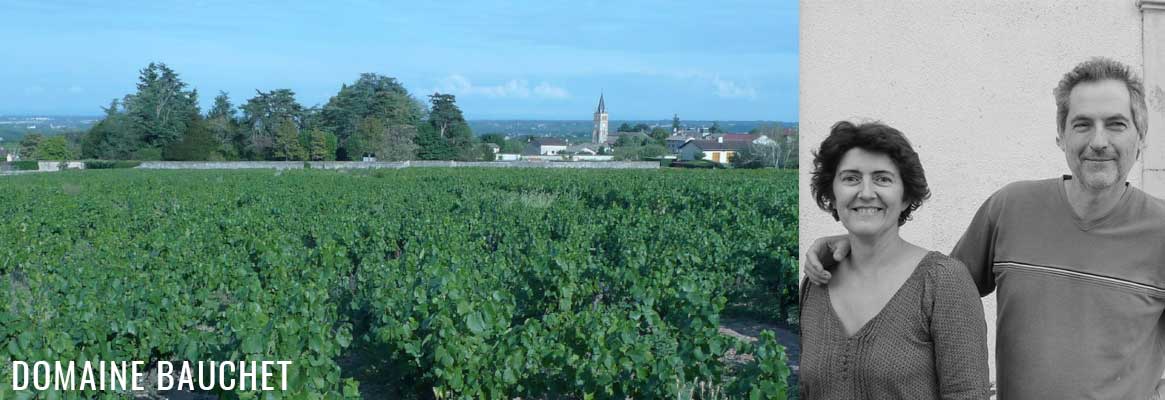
(928, 342)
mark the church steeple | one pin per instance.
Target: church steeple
(599, 134)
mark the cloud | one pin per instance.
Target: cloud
(724, 88)
(459, 85)
(729, 89)
(550, 91)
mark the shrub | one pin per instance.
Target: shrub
(768, 376)
(111, 164)
(25, 165)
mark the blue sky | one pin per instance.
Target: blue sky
(724, 60)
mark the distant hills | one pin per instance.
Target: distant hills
(12, 128)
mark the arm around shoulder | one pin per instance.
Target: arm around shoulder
(976, 248)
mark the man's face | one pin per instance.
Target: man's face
(1099, 138)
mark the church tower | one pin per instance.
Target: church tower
(599, 134)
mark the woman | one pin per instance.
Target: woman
(896, 321)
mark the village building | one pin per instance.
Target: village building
(545, 146)
(674, 142)
(586, 149)
(599, 133)
(719, 150)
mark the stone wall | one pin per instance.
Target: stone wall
(54, 165)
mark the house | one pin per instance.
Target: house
(712, 150)
(508, 157)
(674, 142)
(544, 146)
(493, 147)
(585, 149)
(732, 137)
(743, 137)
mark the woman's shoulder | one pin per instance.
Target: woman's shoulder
(945, 271)
(941, 263)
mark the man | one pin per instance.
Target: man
(1077, 262)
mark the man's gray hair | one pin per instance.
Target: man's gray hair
(1098, 69)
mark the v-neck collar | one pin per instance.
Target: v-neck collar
(865, 328)
(1061, 187)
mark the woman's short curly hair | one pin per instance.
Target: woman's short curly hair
(876, 138)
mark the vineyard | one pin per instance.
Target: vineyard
(413, 284)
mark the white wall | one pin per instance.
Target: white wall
(969, 83)
(1153, 38)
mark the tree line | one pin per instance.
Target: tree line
(375, 116)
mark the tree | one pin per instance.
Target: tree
(637, 152)
(29, 143)
(790, 158)
(508, 146)
(371, 96)
(445, 116)
(333, 146)
(660, 135)
(625, 141)
(495, 138)
(653, 151)
(624, 127)
(513, 147)
(642, 127)
(756, 156)
(431, 146)
(262, 116)
(715, 127)
(112, 138)
(675, 123)
(222, 107)
(485, 153)
(53, 148)
(323, 145)
(224, 128)
(197, 143)
(160, 109)
(388, 143)
(786, 139)
(449, 137)
(287, 146)
(778, 154)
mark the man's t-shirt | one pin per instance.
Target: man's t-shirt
(1079, 305)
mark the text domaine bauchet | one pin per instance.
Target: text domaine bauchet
(123, 375)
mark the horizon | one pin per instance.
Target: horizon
(99, 116)
(735, 61)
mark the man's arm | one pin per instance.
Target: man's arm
(976, 249)
(824, 254)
